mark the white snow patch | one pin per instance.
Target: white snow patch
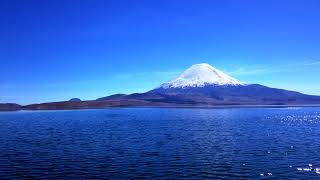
(200, 75)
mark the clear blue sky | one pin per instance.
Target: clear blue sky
(58, 49)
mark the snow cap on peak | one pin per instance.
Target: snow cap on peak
(199, 75)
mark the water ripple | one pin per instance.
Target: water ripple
(155, 143)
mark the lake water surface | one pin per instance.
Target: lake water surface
(161, 143)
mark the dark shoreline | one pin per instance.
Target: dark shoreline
(173, 106)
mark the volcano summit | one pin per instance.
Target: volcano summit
(200, 75)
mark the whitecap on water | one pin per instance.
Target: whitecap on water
(269, 174)
(310, 169)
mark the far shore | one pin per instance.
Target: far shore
(174, 106)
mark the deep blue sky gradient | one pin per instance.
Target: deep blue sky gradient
(56, 50)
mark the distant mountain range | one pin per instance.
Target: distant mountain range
(9, 107)
(199, 86)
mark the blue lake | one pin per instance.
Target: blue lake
(161, 143)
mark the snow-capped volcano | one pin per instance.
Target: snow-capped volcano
(200, 85)
(200, 75)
